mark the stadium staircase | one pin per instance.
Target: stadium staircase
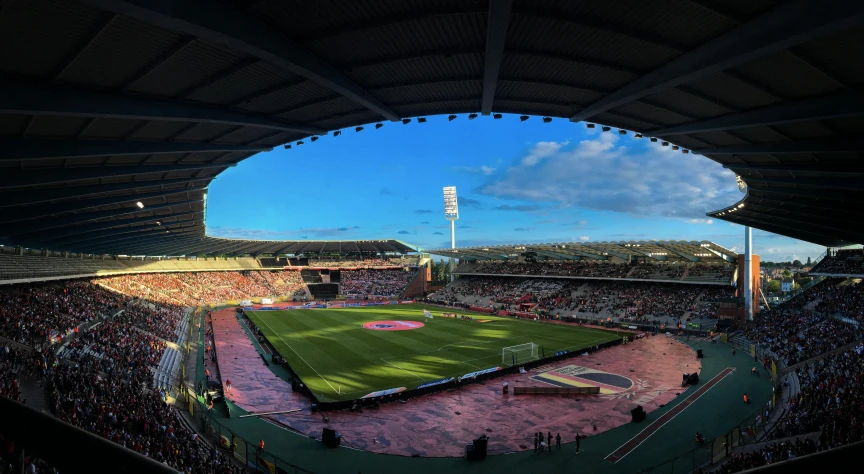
(630, 273)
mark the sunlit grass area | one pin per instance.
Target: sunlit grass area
(339, 359)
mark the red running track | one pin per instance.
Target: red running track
(643, 435)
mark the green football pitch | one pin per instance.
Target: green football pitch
(339, 359)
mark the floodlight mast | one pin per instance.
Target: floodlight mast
(451, 213)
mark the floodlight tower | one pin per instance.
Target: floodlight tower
(748, 260)
(451, 213)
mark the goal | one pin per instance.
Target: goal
(519, 354)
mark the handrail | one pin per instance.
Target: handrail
(61, 445)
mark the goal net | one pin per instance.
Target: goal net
(520, 354)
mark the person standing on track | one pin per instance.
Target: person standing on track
(536, 442)
(558, 441)
(549, 437)
(578, 439)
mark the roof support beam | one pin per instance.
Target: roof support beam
(680, 253)
(819, 238)
(246, 248)
(120, 242)
(220, 23)
(139, 235)
(849, 183)
(149, 247)
(27, 177)
(792, 206)
(36, 212)
(808, 215)
(790, 24)
(835, 227)
(155, 227)
(832, 106)
(496, 37)
(44, 224)
(143, 242)
(29, 98)
(814, 146)
(16, 149)
(811, 167)
(94, 227)
(37, 196)
(797, 192)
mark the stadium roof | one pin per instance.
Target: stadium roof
(649, 249)
(107, 103)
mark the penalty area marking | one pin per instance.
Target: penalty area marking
(659, 423)
(298, 355)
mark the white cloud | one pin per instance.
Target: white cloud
(584, 238)
(700, 221)
(542, 150)
(486, 170)
(600, 174)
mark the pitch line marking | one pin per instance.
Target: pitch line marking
(400, 368)
(705, 388)
(298, 355)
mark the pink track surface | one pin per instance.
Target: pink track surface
(429, 426)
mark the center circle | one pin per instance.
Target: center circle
(392, 325)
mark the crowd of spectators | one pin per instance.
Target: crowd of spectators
(768, 454)
(366, 263)
(830, 402)
(379, 283)
(599, 269)
(13, 364)
(34, 314)
(621, 301)
(194, 288)
(575, 268)
(127, 412)
(849, 261)
(806, 326)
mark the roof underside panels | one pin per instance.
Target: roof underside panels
(150, 99)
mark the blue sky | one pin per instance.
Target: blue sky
(518, 182)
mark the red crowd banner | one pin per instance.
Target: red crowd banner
(481, 310)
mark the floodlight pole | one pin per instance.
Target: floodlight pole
(451, 213)
(748, 272)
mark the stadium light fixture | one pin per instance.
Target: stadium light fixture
(378, 125)
(496, 116)
(589, 125)
(621, 131)
(300, 143)
(606, 129)
(472, 116)
(665, 143)
(653, 140)
(675, 147)
(358, 129)
(638, 136)
(451, 213)
(140, 205)
(158, 223)
(547, 119)
(523, 118)
(406, 121)
(337, 133)
(287, 146)
(314, 139)
(451, 118)
(685, 151)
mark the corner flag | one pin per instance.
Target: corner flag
(427, 314)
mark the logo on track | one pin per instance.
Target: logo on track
(392, 325)
(576, 376)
